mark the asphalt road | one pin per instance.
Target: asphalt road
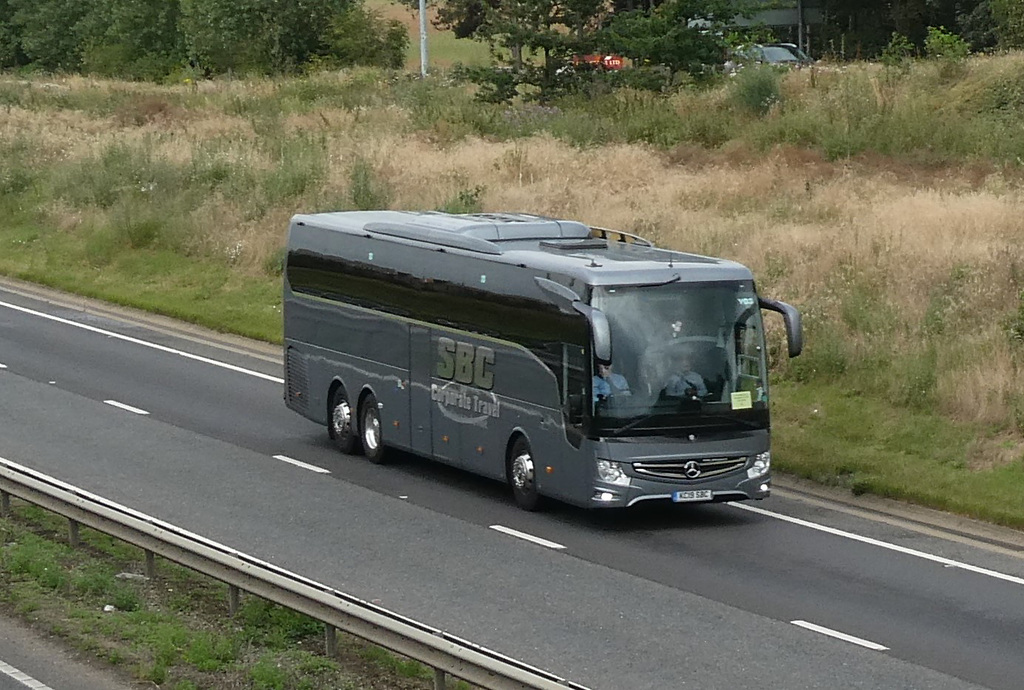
(787, 593)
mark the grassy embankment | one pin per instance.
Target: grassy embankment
(886, 204)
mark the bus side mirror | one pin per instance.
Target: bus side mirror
(794, 328)
(559, 295)
(600, 332)
(567, 300)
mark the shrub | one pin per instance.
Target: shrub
(941, 44)
(359, 36)
(368, 192)
(756, 89)
(898, 53)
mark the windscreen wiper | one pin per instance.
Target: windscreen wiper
(635, 423)
(694, 417)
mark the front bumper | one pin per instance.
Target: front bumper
(735, 488)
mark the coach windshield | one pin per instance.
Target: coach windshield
(687, 356)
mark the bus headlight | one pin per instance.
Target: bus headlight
(762, 463)
(611, 472)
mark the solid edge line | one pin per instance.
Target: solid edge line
(920, 518)
(299, 463)
(144, 343)
(528, 537)
(840, 636)
(122, 406)
(883, 544)
(23, 678)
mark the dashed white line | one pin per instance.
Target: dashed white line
(299, 463)
(23, 678)
(528, 537)
(144, 343)
(948, 562)
(3, 366)
(122, 406)
(840, 636)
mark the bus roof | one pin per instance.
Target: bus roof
(597, 256)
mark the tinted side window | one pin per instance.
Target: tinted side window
(558, 340)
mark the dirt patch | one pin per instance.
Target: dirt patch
(992, 453)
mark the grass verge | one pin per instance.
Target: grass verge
(174, 631)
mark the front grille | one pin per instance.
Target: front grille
(709, 467)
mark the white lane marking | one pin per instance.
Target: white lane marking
(3, 366)
(25, 679)
(528, 537)
(144, 343)
(948, 562)
(122, 406)
(840, 636)
(299, 463)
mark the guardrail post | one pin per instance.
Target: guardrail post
(150, 564)
(5, 504)
(331, 640)
(440, 682)
(73, 532)
(232, 599)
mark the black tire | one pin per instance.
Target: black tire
(341, 423)
(370, 430)
(522, 475)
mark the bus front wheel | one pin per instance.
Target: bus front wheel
(522, 475)
(370, 430)
(341, 425)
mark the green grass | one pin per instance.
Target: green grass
(200, 290)
(63, 591)
(839, 438)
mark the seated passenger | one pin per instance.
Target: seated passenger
(608, 384)
(687, 383)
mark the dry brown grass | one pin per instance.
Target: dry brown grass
(814, 231)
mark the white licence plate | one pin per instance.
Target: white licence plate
(687, 496)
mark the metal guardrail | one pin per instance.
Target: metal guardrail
(445, 653)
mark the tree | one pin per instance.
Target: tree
(682, 35)
(260, 35)
(10, 46)
(977, 26)
(1009, 18)
(134, 38)
(49, 31)
(359, 36)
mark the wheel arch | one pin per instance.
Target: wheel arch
(336, 383)
(516, 434)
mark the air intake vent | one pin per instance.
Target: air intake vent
(296, 381)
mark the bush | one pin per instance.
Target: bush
(943, 45)
(756, 89)
(362, 37)
(898, 53)
(368, 192)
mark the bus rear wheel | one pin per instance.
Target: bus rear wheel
(370, 430)
(341, 425)
(522, 475)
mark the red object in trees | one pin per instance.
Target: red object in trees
(609, 62)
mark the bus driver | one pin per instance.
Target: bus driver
(608, 384)
(688, 383)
